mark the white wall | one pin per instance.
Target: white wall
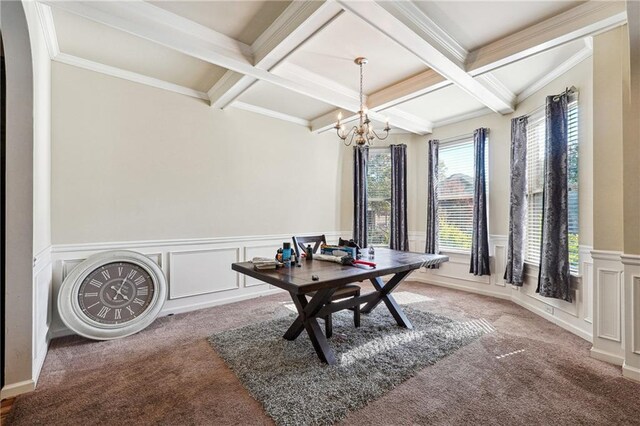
(192, 187)
(131, 163)
(28, 271)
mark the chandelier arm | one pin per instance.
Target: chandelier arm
(386, 135)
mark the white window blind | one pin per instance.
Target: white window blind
(379, 196)
(455, 194)
(536, 133)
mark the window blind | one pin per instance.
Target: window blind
(455, 194)
(536, 133)
(379, 196)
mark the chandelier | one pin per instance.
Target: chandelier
(364, 132)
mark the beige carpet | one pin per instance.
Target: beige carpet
(168, 374)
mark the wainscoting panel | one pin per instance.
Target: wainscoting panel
(609, 307)
(205, 271)
(608, 302)
(198, 271)
(264, 250)
(631, 365)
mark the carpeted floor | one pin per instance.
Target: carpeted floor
(296, 388)
(169, 374)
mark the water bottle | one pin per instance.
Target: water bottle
(372, 252)
(286, 254)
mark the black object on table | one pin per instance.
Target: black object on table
(332, 276)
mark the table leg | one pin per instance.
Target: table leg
(307, 312)
(386, 297)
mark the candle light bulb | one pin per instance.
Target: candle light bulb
(340, 116)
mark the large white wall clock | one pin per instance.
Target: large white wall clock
(112, 294)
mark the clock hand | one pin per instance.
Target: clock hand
(117, 292)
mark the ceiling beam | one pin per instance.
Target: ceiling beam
(406, 30)
(155, 24)
(581, 21)
(299, 22)
(384, 99)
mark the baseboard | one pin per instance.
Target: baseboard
(217, 302)
(14, 389)
(481, 291)
(63, 331)
(552, 318)
(606, 357)
(630, 372)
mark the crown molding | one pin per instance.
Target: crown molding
(411, 36)
(405, 90)
(294, 72)
(270, 113)
(128, 75)
(584, 20)
(555, 73)
(496, 86)
(187, 37)
(463, 117)
(407, 10)
(403, 120)
(299, 22)
(228, 88)
(48, 28)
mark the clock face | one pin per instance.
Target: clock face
(116, 293)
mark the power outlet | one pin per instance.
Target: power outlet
(548, 309)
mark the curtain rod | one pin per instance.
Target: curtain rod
(571, 89)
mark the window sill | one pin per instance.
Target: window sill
(453, 251)
(531, 269)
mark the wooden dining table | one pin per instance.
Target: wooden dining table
(323, 278)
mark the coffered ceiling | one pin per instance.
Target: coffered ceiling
(430, 62)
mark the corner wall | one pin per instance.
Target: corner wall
(28, 177)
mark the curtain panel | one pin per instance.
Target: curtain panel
(480, 236)
(432, 198)
(360, 161)
(399, 238)
(514, 273)
(554, 275)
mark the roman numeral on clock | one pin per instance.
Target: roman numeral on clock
(95, 283)
(120, 269)
(139, 280)
(91, 295)
(132, 274)
(104, 311)
(143, 291)
(138, 301)
(106, 274)
(117, 314)
(130, 310)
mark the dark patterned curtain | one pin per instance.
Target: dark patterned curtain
(432, 198)
(514, 273)
(399, 239)
(360, 160)
(553, 277)
(480, 237)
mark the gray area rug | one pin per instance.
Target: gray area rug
(295, 388)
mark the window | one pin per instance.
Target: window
(379, 196)
(535, 167)
(455, 194)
